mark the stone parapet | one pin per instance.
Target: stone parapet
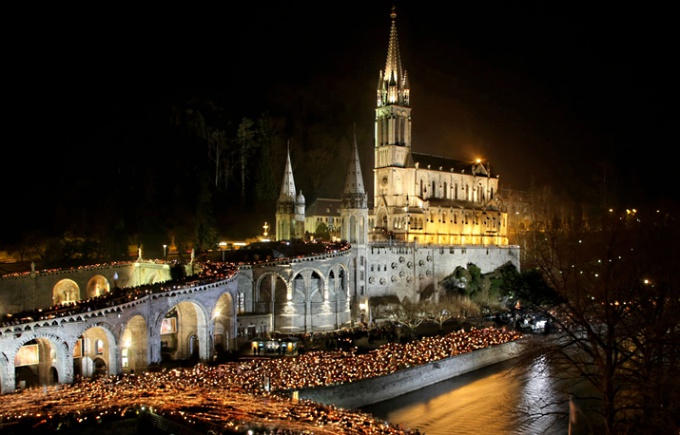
(366, 392)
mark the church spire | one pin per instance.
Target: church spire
(354, 195)
(354, 208)
(392, 115)
(393, 85)
(288, 185)
(290, 209)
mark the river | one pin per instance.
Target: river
(486, 401)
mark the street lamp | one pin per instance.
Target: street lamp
(165, 251)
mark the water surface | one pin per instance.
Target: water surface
(487, 401)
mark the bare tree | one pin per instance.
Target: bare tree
(617, 316)
(448, 307)
(408, 314)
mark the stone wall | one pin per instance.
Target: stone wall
(370, 391)
(415, 271)
(32, 290)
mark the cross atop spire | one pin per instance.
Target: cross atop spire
(393, 85)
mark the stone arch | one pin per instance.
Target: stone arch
(224, 323)
(306, 283)
(269, 288)
(134, 345)
(98, 285)
(318, 304)
(96, 342)
(65, 291)
(184, 332)
(338, 282)
(317, 289)
(39, 360)
(100, 367)
(381, 218)
(298, 286)
(330, 289)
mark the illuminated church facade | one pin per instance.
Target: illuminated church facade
(430, 213)
(420, 197)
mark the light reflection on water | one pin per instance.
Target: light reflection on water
(486, 401)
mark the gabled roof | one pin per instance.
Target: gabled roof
(324, 207)
(439, 163)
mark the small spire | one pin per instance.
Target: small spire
(288, 184)
(354, 195)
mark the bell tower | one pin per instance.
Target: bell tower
(392, 116)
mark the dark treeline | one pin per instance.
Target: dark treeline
(174, 169)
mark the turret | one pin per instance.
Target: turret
(354, 208)
(289, 220)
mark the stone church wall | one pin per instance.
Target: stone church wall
(412, 270)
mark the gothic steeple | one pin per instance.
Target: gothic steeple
(290, 208)
(354, 195)
(393, 85)
(288, 184)
(392, 119)
(354, 208)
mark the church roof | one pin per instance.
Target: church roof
(439, 163)
(324, 207)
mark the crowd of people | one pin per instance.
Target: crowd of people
(208, 272)
(241, 396)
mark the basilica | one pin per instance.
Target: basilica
(429, 214)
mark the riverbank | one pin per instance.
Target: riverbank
(370, 391)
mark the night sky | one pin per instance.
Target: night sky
(548, 92)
